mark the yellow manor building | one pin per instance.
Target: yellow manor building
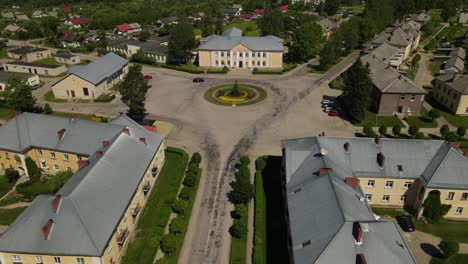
(89, 220)
(233, 50)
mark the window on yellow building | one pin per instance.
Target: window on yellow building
(459, 210)
(43, 164)
(385, 198)
(65, 157)
(39, 260)
(57, 260)
(407, 185)
(7, 156)
(56, 167)
(368, 197)
(403, 199)
(389, 185)
(16, 259)
(464, 196)
(39, 152)
(80, 261)
(370, 184)
(68, 168)
(52, 155)
(450, 195)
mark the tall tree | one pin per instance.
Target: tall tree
(351, 33)
(181, 41)
(272, 23)
(357, 91)
(331, 7)
(448, 10)
(219, 23)
(18, 95)
(308, 40)
(133, 90)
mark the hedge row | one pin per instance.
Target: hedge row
(172, 242)
(260, 239)
(145, 60)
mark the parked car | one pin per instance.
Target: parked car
(405, 223)
(36, 86)
(334, 113)
(329, 109)
(147, 77)
(198, 80)
(326, 101)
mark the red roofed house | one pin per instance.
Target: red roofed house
(66, 9)
(283, 8)
(127, 28)
(77, 22)
(247, 17)
(260, 12)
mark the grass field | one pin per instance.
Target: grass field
(421, 121)
(5, 186)
(158, 209)
(249, 28)
(458, 121)
(388, 121)
(457, 259)
(434, 67)
(238, 250)
(7, 216)
(80, 116)
(260, 235)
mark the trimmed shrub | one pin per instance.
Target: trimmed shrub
(47, 109)
(196, 159)
(239, 229)
(244, 160)
(434, 210)
(451, 136)
(461, 131)
(177, 225)
(190, 180)
(169, 244)
(396, 130)
(449, 248)
(260, 163)
(12, 175)
(368, 131)
(179, 206)
(33, 170)
(413, 131)
(240, 211)
(420, 135)
(444, 129)
(382, 130)
(186, 193)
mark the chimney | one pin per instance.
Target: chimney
(47, 229)
(99, 154)
(347, 147)
(61, 133)
(381, 159)
(105, 143)
(143, 140)
(455, 145)
(360, 259)
(377, 140)
(82, 164)
(56, 203)
(357, 233)
(126, 131)
(323, 171)
(352, 181)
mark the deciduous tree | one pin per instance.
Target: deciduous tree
(181, 41)
(18, 95)
(307, 42)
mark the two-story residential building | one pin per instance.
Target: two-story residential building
(327, 216)
(451, 90)
(30, 79)
(91, 218)
(393, 93)
(233, 50)
(29, 54)
(92, 80)
(394, 172)
(405, 36)
(156, 49)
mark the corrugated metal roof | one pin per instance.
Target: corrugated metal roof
(100, 69)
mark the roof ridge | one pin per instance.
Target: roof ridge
(441, 161)
(329, 242)
(84, 225)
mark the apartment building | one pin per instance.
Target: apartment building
(405, 36)
(34, 68)
(451, 90)
(233, 50)
(327, 217)
(91, 80)
(90, 219)
(29, 54)
(397, 172)
(393, 93)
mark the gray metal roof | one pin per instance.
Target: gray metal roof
(386, 52)
(100, 69)
(25, 50)
(387, 79)
(150, 46)
(66, 55)
(454, 64)
(6, 76)
(93, 200)
(233, 39)
(232, 32)
(35, 65)
(323, 208)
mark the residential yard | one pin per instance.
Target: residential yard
(434, 67)
(5, 186)
(371, 118)
(6, 113)
(156, 214)
(458, 121)
(457, 259)
(388, 212)
(7, 216)
(422, 121)
(249, 28)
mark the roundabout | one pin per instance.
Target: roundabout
(235, 94)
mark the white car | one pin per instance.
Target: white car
(329, 109)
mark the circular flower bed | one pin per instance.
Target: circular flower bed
(235, 94)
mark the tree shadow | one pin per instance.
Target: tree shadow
(277, 239)
(431, 250)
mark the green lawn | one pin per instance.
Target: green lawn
(421, 121)
(6, 113)
(260, 235)
(5, 186)
(457, 259)
(389, 212)
(80, 116)
(156, 214)
(49, 97)
(3, 53)
(48, 61)
(7, 216)
(388, 121)
(249, 28)
(434, 67)
(238, 250)
(446, 229)
(455, 120)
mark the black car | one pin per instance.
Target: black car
(198, 80)
(406, 223)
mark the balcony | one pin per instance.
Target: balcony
(146, 188)
(154, 171)
(136, 210)
(122, 237)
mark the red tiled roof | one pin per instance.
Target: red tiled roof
(283, 8)
(247, 16)
(79, 21)
(260, 11)
(123, 27)
(151, 128)
(66, 9)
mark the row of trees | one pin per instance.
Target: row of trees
(241, 194)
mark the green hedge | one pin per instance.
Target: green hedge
(260, 233)
(155, 215)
